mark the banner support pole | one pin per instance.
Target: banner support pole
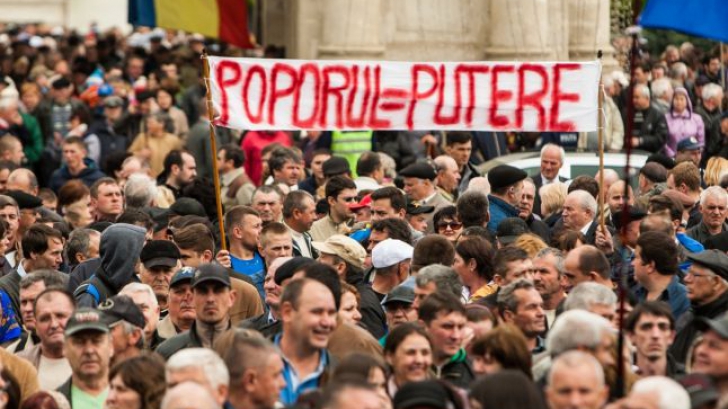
(213, 144)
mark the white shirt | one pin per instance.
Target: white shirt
(298, 238)
(586, 228)
(52, 373)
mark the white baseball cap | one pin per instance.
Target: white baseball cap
(390, 252)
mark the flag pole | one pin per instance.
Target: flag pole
(600, 134)
(213, 143)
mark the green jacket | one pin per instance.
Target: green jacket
(34, 149)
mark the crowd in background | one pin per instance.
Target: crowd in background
(376, 269)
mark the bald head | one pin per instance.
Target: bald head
(24, 180)
(618, 197)
(188, 395)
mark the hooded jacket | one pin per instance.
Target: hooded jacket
(682, 125)
(88, 175)
(119, 251)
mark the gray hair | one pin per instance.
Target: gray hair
(574, 359)
(678, 70)
(50, 278)
(133, 288)
(715, 192)
(189, 392)
(203, 358)
(586, 200)
(445, 279)
(140, 190)
(661, 87)
(78, 242)
(507, 300)
(562, 153)
(268, 189)
(711, 90)
(577, 329)
(642, 89)
(478, 184)
(443, 161)
(671, 394)
(588, 294)
(295, 201)
(558, 255)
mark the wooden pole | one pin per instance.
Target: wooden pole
(213, 144)
(600, 133)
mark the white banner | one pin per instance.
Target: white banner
(350, 95)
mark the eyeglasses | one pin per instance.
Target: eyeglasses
(451, 225)
(691, 273)
(351, 199)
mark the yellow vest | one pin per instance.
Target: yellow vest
(350, 145)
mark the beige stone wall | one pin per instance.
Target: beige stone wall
(438, 30)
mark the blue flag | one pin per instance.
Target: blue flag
(702, 18)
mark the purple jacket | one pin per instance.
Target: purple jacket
(683, 125)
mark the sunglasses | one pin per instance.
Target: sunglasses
(451, 225)
(351, 199)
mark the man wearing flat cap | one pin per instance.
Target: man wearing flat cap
(709, 358)
(419, 185)
(707, 286)
(160, 259)
(28, 206)
(506, 189)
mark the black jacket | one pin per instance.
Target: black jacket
(538, 182)
(187, 339)
(65, 390)
(372, 314)
(653, 132)
(458, 371)
(686, 331)
(701, 234)
(261, 324)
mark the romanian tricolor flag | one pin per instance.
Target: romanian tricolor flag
(226, 20)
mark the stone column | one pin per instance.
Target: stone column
(351, 29)
(589, 28)
(525, 30)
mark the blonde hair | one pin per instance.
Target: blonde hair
(530, 243)
(713, 170)
(553, 197)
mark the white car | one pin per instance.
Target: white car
(576, 163)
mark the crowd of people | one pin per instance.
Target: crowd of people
(377, 270)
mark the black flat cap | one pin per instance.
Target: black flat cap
(335, 166)
(663, 160)
(122, 307)
(400, 293)
(61, 83)
(423, 394)
(289, 268)
(718, 325)
(211, 272)
(185, 206)
(715, 260)
(25, 201)
(632, 214)
(160, 253)
(510, 228)
(414, 208)
(505, 175)
(419, 170)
